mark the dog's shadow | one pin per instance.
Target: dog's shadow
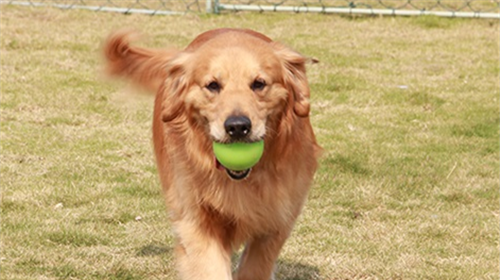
(285, 269)
(288, 270)
(155, 249)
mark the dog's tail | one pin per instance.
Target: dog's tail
(145, 67)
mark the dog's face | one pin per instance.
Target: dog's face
(235, 85)
(236, 91)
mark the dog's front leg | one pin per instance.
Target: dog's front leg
(259, 257)
(201, 254)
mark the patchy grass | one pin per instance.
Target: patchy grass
(406, 109)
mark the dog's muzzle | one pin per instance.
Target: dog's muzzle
(238, 128)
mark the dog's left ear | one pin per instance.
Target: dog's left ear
(295, 79)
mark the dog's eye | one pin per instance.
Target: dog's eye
(258, 85)
(213, 87)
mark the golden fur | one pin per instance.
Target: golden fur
(211, 213)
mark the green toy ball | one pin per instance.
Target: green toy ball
(238, 156)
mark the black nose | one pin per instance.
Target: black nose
(238, 127)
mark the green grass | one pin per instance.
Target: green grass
(406, 109)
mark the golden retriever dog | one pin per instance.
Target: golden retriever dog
(228, 85)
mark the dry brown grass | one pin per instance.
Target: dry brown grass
(406, 109)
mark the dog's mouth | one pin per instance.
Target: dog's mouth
(233, 174)
(238, 175)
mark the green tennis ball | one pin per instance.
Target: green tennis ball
(238, 156)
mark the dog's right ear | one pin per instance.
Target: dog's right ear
(175, 86)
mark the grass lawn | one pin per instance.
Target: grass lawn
(407, 110)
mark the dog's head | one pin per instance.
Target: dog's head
(240, 86)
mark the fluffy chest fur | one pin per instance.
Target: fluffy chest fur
(278, 184)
